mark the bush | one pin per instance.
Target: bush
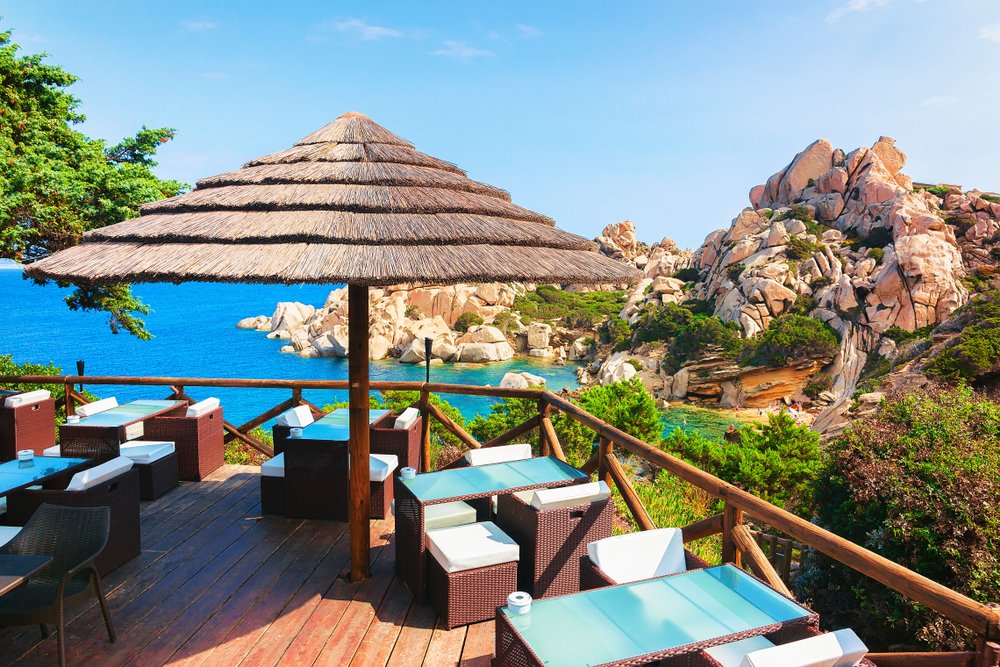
(900, 335)
(735, 270)
(661, 323)
(9, 367)
(803, 305)
(467, 320)
(413, 313)
(919, 483)
(615, 331)
(688, 275)
(777, 461)
(817, 384)
(800, 248)
(798, 212)
(877, 254)
(574, 309)
(788, 338)
(687, 335)
(507, 322)
(976, 350)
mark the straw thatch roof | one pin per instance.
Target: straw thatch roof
(351, 202)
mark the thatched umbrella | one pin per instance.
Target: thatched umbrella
(350, 203)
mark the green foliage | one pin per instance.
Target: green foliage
(788, 338)
(877, 254)
(800, 248)
(993, 199)
(241, 454)
(413, 313)
(615, 331)
(735, 270)
(777, 461)
(822, 281)
(662, 323)
(919, 483)
(9, 367)
(574, 309)
(688, 275)
(817, 384)
(636, 364)
(803, 305)
(900, 335)
(798, 212)
(936, 190)
(687, 335)
(467, 320)
(995, 252)
(506, 322)
(976, 350)
(59, 183)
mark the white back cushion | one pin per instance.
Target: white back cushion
(52, 451)
(642, 555)
(407, 418)
(202, 407)
(470, 546)
(567, 496)
(273, 467)
(27, 398)
(7, 533)
(86, 479)
(842, 648)
(731, 654)
(97, 406)
(298, 416)
(380, 466)
(487, 455)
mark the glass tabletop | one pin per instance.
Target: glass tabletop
(14, 474)
(336, 425)
(620, 622)
(128, 413)
(492, 478)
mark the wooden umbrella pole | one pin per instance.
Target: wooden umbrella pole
(357, 305)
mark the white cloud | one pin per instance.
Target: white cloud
(939, 102)
(527, 31)
(853, 7)
(454, 48)
(990, 32)
(365, 31)
(202, 25)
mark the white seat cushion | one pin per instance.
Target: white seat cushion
(487, 455)
(96, 407)
(471, 546)
(51, 451)
(731, 654)
(568, 496)
(27, 398)
(146, 451)
(642, 555)
(447, 515)
(381, 466)
(297, 417)
(86, 479)
(407, 418)
(91, 409)
(842, 648)
(273, 467)
(7, 533)
(202, 407)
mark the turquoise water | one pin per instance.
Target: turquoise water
(709, 423)
(195, 336)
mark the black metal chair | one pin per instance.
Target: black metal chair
(73, 537)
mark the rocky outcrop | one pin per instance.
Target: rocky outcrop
(521, 380)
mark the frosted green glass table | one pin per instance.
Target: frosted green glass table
(466, 484)
(334, 426)
(16, 475)
(99, 436)
(646, 620)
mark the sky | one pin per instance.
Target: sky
(663, 113)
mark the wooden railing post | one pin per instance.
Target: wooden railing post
(297, 396)
(605, 448)
(70, 404)
(544, 446)
(731, 518)
(425, 430)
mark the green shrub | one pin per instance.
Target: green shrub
(688, 275)
(803, 305)
(936, 190)
(615, 331)
(506, 322)
(993, 199)
(976, 350)
(900, 335)
(877, 254)
(662, 323)
(800, 248)
(735, 270)
(798, 212)
(574, 309)
(777, 461)
(466, 321)
(919, 483)
(413, 313)
(788, 338)
(822, 281)
(700, 306)
(9, 367)
(817, 384)
(636, 364)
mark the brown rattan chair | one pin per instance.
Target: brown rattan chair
(553, 540)
(198, 441)
(30, 426)
(403, 443)
(72, 537)
(787, 635)
(119, 493)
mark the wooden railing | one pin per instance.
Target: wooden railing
(740, 545)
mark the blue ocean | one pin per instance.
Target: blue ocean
(195, 336)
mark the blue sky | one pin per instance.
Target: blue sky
(662, 113)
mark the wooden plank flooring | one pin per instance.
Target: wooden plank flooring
(217, 583)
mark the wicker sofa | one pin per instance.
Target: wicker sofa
(198, 437)
(27, 421)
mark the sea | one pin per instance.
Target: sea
(195, 335)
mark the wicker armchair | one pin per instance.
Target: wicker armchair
(198, 438)
(119, 492)
(73, 537)
(27, 426)
(403, 443)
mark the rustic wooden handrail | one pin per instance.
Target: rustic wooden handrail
(759, 564)
(982, 619)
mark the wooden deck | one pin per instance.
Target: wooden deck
(217, 583)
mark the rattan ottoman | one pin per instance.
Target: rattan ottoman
(198, 441)
(273, 491)
(31, 426)
(553, 541)
(460, 592)
(158, 477)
